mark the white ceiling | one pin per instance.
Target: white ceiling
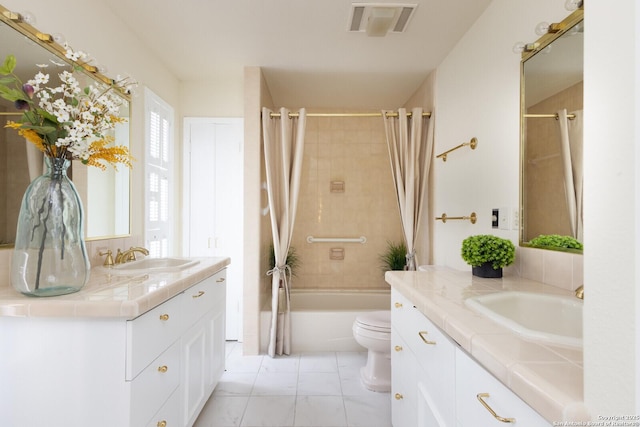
(307, 55)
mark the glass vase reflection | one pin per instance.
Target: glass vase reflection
(50, 256)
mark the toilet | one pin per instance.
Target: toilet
(372, 330)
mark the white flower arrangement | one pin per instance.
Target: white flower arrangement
(68, 121)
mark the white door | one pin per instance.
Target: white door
(213, 196)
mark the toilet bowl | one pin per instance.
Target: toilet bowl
(372, 330)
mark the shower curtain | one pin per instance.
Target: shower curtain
(410, 143)
(283, 149)
(571, 151)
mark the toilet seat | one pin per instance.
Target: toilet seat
(378, 321)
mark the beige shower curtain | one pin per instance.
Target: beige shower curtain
(410, 143)
(283, 149)
(571, 149)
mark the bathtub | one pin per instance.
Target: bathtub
(322, 320)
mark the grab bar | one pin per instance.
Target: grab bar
(361, 239)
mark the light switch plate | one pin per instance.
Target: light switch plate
(494, 218)
(504, 215)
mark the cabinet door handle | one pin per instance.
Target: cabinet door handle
(163, 368)
(398, 396)
(220, 280)
(398, 305)
(398, 348)
(481, 397)
(164, 317)
(198, 295)
(421, 334)
(162, 423)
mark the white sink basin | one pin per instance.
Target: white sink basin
(548, 318)
(153, 265)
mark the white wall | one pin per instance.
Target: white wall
(478, 95)
(612, 190)
(477, 89)
(214, 96)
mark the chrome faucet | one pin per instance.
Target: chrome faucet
(130, 254)
(580, 292)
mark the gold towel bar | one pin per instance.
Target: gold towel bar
(549, 116)
(473, 143)
(272, 115)
(444, 218)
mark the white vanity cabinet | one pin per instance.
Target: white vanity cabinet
(483, 400)
(157, 369)
(203, 344)
(423, 369)
(434, 383)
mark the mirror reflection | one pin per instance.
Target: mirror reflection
(551, 146)
(105, 194)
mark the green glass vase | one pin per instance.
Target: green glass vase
(50, 256)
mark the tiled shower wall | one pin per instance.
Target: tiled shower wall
(351, 150)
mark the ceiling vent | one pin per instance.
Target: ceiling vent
(378, 19)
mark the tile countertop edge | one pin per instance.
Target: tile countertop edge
(112, 296)
(434, 293)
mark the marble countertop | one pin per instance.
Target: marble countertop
(110, 295)
(548, 378)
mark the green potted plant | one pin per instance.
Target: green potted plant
(555, 241)
(293, 260)
(487, 254)
(395, 257)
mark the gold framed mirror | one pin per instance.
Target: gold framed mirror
(105, 194)
(551, 103)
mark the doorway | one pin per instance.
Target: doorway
(213, 201)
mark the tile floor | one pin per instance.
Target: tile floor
(308, 389)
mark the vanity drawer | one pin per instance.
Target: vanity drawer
(401, 310)
(169, 414)
(203, 297)
(150, 334)
(430, 345)
(154, 385)
(472, 380)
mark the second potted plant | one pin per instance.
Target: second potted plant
(487, 254)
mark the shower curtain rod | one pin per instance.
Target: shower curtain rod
(550, 116)
(272, 115)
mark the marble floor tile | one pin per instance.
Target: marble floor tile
(269, 411)
(319, 384)
(326, 411)
(275, 384)
(318, 362)
(222, 411)
(236, 384)
(304, 390)
(373, 410)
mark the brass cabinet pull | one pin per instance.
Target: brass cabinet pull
(220, 280)
(198, 295)
(164, 317)
(163, 368)
(398, 305)
(398, 348)
(162, 423)
(481, 397)
(398, 396)
(426, 341)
